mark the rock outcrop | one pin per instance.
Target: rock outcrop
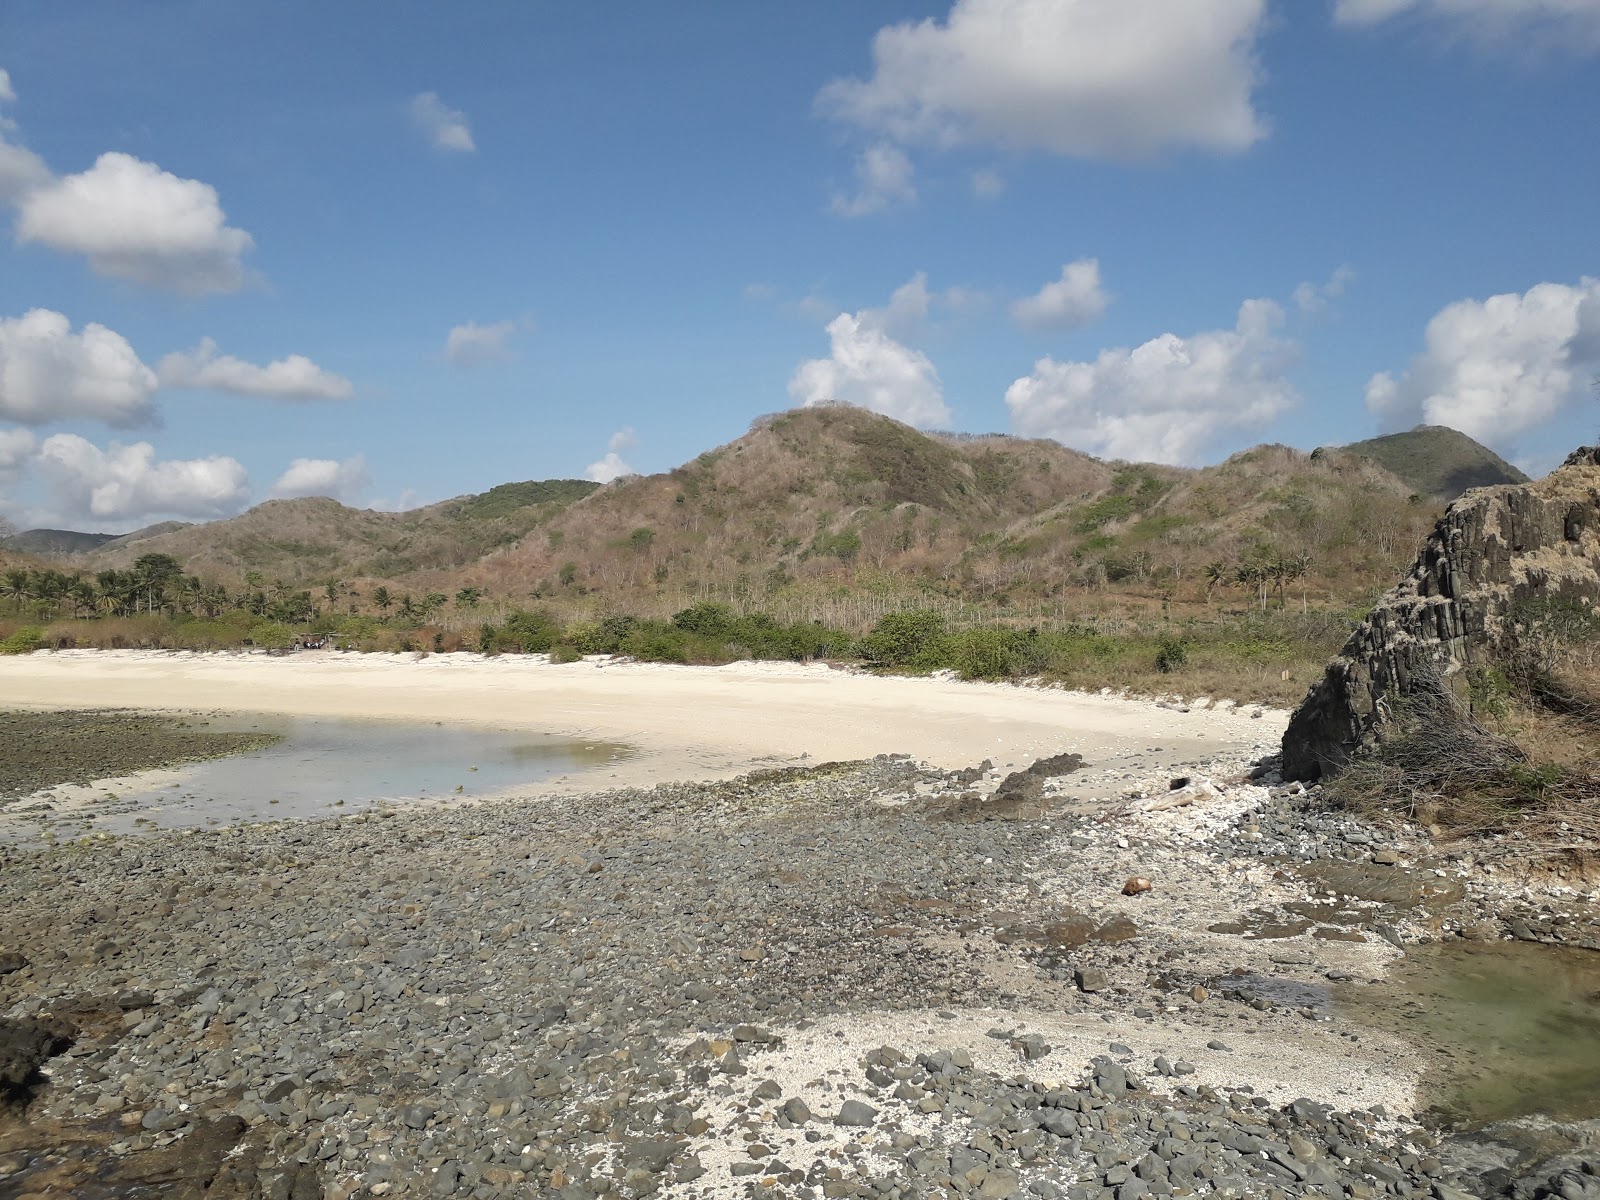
(1500, 561)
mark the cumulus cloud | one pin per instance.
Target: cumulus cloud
(1168, 400)
(345, 481)
(48, 373)
(987, 183)
(1087, 78)
(445, 128)
(129, 482)
(608, 469)
(1573, 25)
(1498, 368)
(623, 439)
(869, 368)
(17, 448)
(1314, 298)
(293, 378)
(21, 170)
(884, 178)
(134, 221)
(474, 345)
(1074, 299)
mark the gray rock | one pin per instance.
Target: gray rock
(856, 1113)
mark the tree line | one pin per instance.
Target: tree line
(158, 583)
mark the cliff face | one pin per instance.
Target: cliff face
(1498, 558)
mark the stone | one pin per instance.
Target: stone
(1496, 552)
(1091, 979)
(856, 1113)
(1136, 885)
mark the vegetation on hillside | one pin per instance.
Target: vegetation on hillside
(1519, 750)
(1034, 559)
(1437, 461)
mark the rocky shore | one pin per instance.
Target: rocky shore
(47, 748)
(859, 980)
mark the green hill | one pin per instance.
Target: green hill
(1437, 461)
(55, 542)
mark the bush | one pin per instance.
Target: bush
(708, 618)
(1172, 654)
(24, 641)
(565, 652)
(991, 652)
(914, 638)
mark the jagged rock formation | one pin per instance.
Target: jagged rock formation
(1499, 560)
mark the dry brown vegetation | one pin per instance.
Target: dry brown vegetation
(1519, 752)
(837, 514)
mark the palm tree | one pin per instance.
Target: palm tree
(1254, 575)
(382, 598)
(1216, 576)
(17, 587)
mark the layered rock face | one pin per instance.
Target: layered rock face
(1498, 558)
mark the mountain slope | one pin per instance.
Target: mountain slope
(838, 503)
(310, 540)
(54, 542)
(1437, 461)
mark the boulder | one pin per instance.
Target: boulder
(1502, 564)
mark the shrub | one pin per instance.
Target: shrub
(24, 641)
(1172, 654)
(707, 617)
(565, 652)
(991, 652)
(914, 638)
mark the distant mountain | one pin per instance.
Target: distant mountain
(55, 542)
(838, 505)
(317, 538)
(1437, 461)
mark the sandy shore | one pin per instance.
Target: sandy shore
(687, 722)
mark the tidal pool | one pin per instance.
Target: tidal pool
(323, 767)
(1517, 1023)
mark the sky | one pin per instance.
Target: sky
(392, 251)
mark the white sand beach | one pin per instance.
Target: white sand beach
(686, 722)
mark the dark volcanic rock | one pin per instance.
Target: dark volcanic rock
(1498, 559)
(25, 1046)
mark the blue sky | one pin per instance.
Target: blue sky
(393, 252)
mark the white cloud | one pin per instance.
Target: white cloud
(474, 345)
(1314, 298)
(987, 183)
(1168, 400)
(134, 221)
(126, 482)
(870, 369)
(17, 448)
(344, 481)
(48, 373)
(1497, 368)
(608, 469)
(1571, 25)
(612, 467)
(884, 178)
(446, 128)
(1114, 79)
(21, 170)
(1074, 299)
(293, 378)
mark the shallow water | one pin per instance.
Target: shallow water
(329, 766)
(1518, 1022)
